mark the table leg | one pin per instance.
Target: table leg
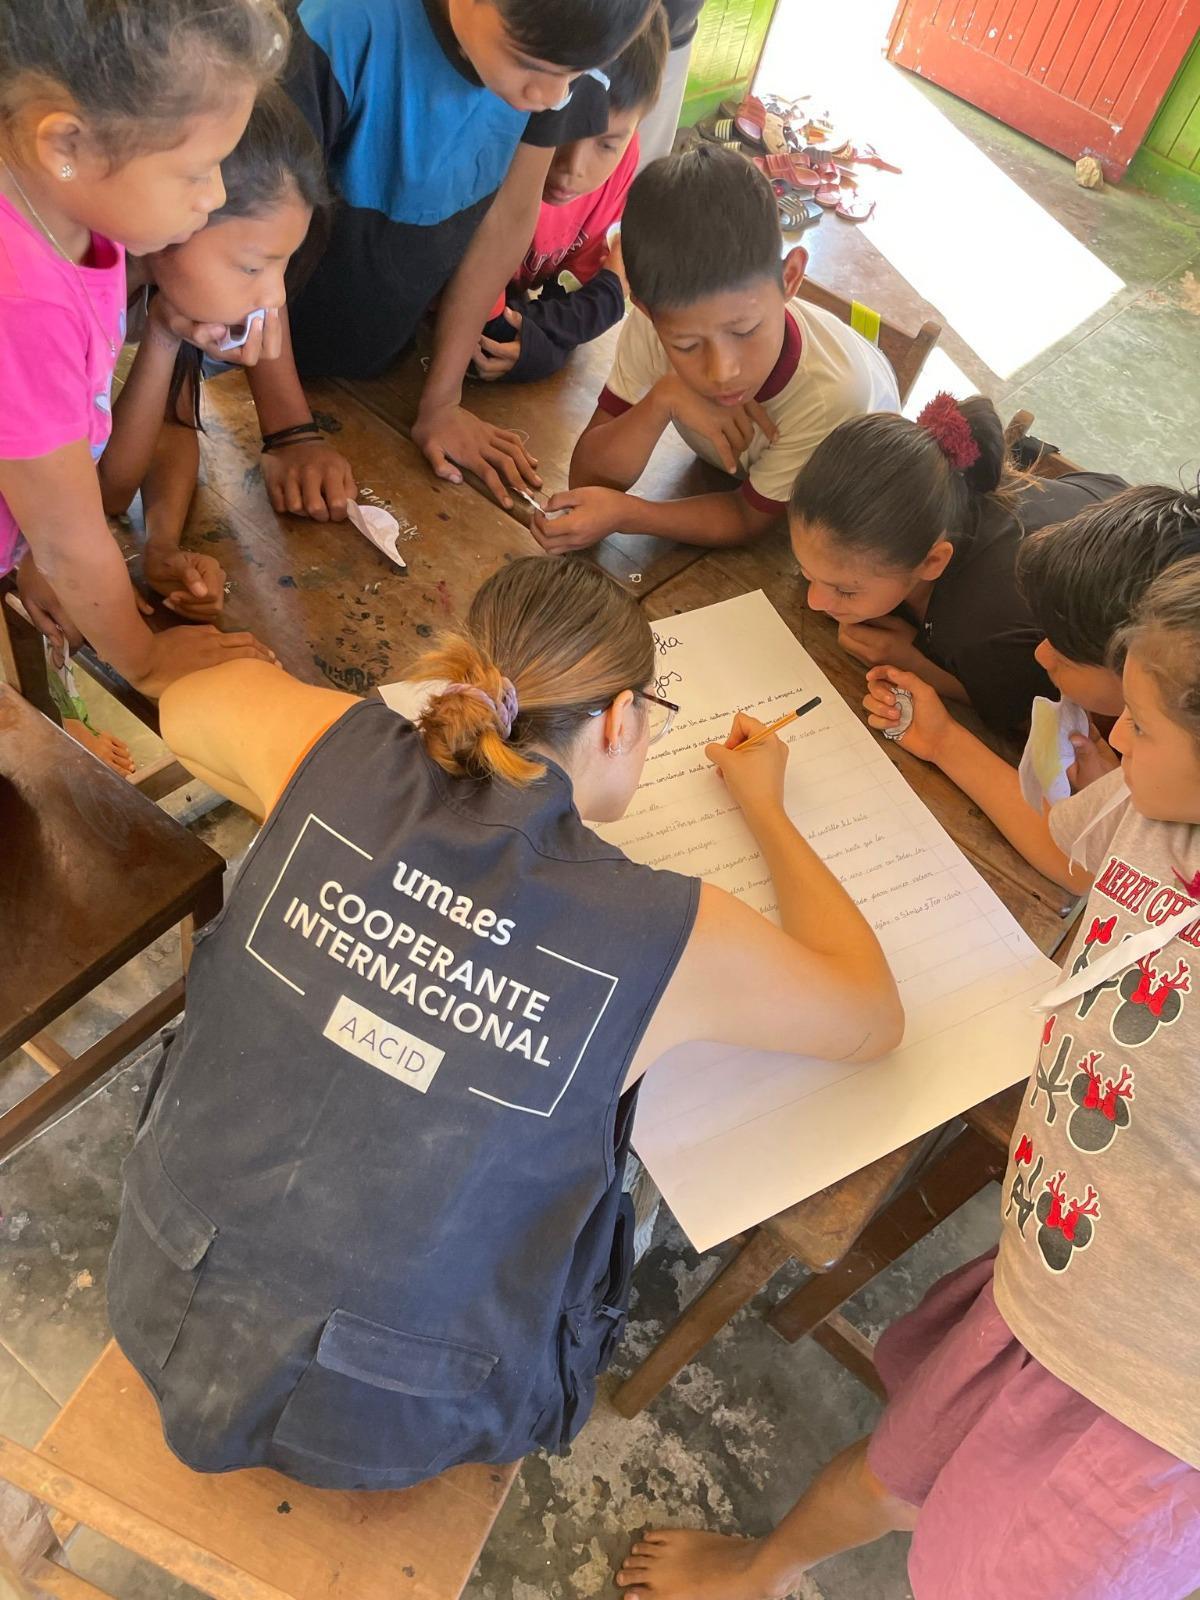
(969, 1163)
(735, 1286)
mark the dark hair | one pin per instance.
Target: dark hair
(567, 637)
(573, 33)
(882, 484)
(276, 157)
(136, 69)
(1083, 579)
(1164, 633)
(696, 224)
(635, 77)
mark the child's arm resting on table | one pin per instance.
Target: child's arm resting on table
(450, 436)
(591, 514)
(818, 984)
(244, 727)
(55, 500)
(549, 328)
(980, 773)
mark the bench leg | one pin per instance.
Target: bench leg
(961, 1171)
(734, 1287)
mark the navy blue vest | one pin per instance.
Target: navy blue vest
(372, 1223)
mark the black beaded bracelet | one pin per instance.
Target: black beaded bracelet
(298, 430)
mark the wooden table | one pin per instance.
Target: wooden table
(93, 873)
(336, 611)
(850, 1231)
(553, 413)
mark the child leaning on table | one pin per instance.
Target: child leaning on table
(1081, 580)
(719, 347)
(115, 119)
(185, 300)
(583, 198)
(1042, 1432)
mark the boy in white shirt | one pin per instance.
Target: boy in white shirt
(717, 346)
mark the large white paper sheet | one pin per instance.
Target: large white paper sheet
(732, 1137)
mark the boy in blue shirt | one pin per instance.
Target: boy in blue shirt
(438, 119)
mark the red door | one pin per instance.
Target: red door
(1082, 76)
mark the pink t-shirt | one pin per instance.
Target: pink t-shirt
(56, 367)
(574, 235)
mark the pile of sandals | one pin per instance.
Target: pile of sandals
(811, 162)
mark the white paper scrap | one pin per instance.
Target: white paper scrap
(380, 527)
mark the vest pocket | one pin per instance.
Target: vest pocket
(162, 1240)
(381, 1400)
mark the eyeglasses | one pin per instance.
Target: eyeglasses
(660, 713)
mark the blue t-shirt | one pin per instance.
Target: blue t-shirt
(416, 148)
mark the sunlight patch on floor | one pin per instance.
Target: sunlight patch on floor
(1005, 275)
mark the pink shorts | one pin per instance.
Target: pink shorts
(1026, 1489)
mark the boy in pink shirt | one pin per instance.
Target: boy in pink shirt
(583, 196)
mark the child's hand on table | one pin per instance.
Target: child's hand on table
(886, 641)
(1094, 756)
(729, 429)
(452, 438)
(309, 478)
(930, 720)
(589, 514)
(193, 585)
(753, 777)
(495, 358)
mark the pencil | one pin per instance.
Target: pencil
(781, 722)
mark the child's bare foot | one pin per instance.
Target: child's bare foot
(677, 1564)
(106, 747)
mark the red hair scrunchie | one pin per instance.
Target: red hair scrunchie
(943, 419)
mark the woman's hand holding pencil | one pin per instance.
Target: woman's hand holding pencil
(753, 759)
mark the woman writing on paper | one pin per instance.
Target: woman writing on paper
(375, 1204)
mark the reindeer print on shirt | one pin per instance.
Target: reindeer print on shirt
(1150, 998)
(1080, 1088)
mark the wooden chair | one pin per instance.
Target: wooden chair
(93, 873)
(250, 1535)
(1050, 463)
(907, 352)
(845, 1236)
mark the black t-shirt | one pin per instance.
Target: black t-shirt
(977, 625)
(416, 149)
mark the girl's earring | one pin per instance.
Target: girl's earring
(617, 749)
(66, 172)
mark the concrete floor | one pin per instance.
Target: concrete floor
(1081, 307)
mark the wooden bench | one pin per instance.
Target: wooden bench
(93, 873)
(249, 1535)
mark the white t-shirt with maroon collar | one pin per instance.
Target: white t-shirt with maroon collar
(1098, 1274)
(826, 373)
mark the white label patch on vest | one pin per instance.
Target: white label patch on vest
(382, 1044)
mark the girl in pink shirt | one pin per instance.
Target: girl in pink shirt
(116, 119)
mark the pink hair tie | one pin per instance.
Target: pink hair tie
(504, 709)
(944, 421)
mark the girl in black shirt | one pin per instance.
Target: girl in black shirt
(907, 534)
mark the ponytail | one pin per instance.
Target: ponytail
(547, 642)
(890, 488)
